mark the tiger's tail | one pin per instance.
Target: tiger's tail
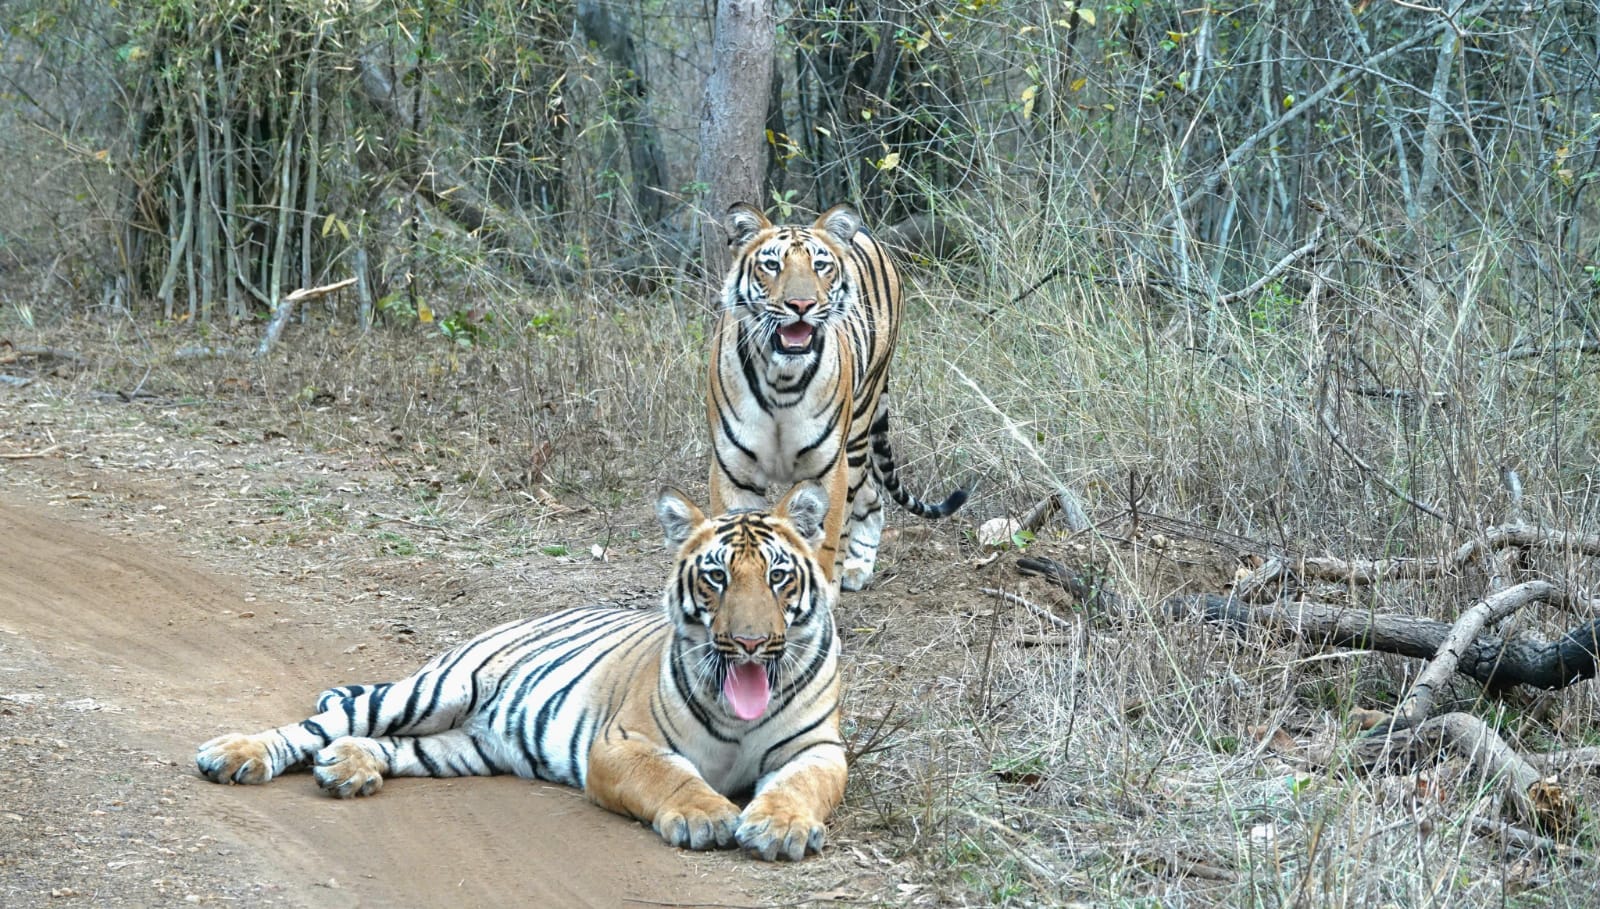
(883, 467)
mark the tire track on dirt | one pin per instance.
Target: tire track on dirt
(165, 644)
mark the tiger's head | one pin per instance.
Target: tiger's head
(749, 600)
(788, 281)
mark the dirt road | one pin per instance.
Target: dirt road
(116, 660)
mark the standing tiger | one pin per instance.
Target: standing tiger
(799, 364)
(731, 689)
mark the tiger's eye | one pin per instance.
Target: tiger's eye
(716, 577)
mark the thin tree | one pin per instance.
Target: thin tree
(733, 157)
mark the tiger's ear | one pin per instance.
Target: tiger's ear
(743, 222)
(840, 221)
(804, 507)
(678, 516)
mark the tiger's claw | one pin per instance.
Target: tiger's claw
(234, 758)
(346, 770)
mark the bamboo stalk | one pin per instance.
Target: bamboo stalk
(230, 183)
(287, 177)
(313, 162)
(206, 239)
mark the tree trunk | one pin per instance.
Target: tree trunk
(733, 159)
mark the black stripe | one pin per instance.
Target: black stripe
(728, 433)
(686, 692)
(428, 763)
(825, 435)
(796, 756)
(752, 380)
(374, 707)
(489, 762)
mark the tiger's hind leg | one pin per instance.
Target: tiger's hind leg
(355, 766)
(865, 530)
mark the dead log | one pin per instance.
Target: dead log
(1495, 661)
(38, 356)
(1582, 760)
(1534, 799)
(1493, 539)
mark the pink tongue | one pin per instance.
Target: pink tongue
(746, 690)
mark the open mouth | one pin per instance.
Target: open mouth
(746, 690)
(796, 337)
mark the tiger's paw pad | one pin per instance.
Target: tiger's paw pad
(345, 769)
(856, 574)
(234, 758)
(698, 828)
(780, 835)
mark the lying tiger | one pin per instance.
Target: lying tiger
(731, 689)
(799, 364)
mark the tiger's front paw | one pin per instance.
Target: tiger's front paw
(775, 828)
(705, 821)
(234, 758)
(855, 574)
(347, 768)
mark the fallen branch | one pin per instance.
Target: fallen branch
(1371, 571)
(1181, 863)
(24, 455)
(285, 308)
(1534, 799)
(1524, 839)
(1493, 660)
(1585, 760)
(14, 354)
(1418, 703)
(1253, 585)
(1529, 351)
(312, 293)
(1060, 500)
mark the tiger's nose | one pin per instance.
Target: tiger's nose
(750, 645)
(800, 306)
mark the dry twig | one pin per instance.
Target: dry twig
(1034, 608)
(24, 455)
